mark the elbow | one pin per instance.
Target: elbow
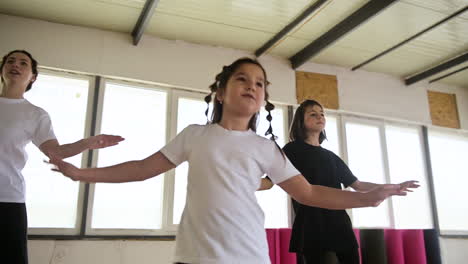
(143, 172)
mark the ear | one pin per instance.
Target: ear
(33, 79)
(219, 96)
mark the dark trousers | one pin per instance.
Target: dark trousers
(13, 233)
(329, 257)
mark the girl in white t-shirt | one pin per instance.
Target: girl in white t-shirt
(20, 123)
(222, 221)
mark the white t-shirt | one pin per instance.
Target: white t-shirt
(222, 221)
(20, 123)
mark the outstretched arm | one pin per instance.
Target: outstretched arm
(124, 172)
(53, 148)
(361, 186)
(331, 198)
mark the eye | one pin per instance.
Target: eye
(241, 78)
(24, 63)
(10, 61)
(260, 84)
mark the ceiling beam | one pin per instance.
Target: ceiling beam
(410, 38)
(439, 68)
(145, 16)
(288, 28)
(369, 10)
(448, 74)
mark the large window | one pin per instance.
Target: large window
(366, 161)
(382, 152)
(406, 162)
(51, 198)
(138, 114)
(449, 152)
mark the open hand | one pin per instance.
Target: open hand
(382, 192)
(103, 141)
(405, 186)
(65, 168)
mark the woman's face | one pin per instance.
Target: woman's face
(314, 119)
(17, 70)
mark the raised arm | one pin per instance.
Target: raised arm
(124, 172)
(361, 186)
(51, 148)
(331, 198)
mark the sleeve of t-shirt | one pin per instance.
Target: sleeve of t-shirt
(44, 130)
(177, 149)
(346, 176)
(279, 167)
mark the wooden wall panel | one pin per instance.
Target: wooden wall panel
(443, 109)
(320, 87)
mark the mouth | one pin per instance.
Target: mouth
(249, 96)
(15, 72)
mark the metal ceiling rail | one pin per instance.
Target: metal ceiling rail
(364, 13)
(448, 74)
(143, 20)
(410, 38)
(288, 28)
(439, 68)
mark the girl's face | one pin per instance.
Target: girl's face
(314, 119)
(18, 70)
(245, 91)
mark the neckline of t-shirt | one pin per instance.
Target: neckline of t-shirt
(233, 132)
(309, 145)
(12, 100)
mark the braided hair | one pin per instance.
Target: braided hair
(219, 85)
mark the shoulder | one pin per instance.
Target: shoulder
(292, 146)
(34, 108)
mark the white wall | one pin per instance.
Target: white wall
(100, 252)
(194, 66)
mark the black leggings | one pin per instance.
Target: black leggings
(328, 257)
(13, 233)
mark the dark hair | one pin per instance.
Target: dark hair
(33, 64)
(220, 85)
(298, 130)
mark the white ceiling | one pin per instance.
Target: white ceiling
(248, 24)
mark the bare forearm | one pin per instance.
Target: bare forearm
(330, 198)
(361, 186)
(124, 172)
(72, 149)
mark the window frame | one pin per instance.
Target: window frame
(88, 230)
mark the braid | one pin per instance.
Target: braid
(208, 100)
(269, 107)
(213, 88)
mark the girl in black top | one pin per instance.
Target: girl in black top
(319, 232)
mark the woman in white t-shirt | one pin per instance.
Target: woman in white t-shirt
(20, 123)
(222, 221)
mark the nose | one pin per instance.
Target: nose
(251, 86)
